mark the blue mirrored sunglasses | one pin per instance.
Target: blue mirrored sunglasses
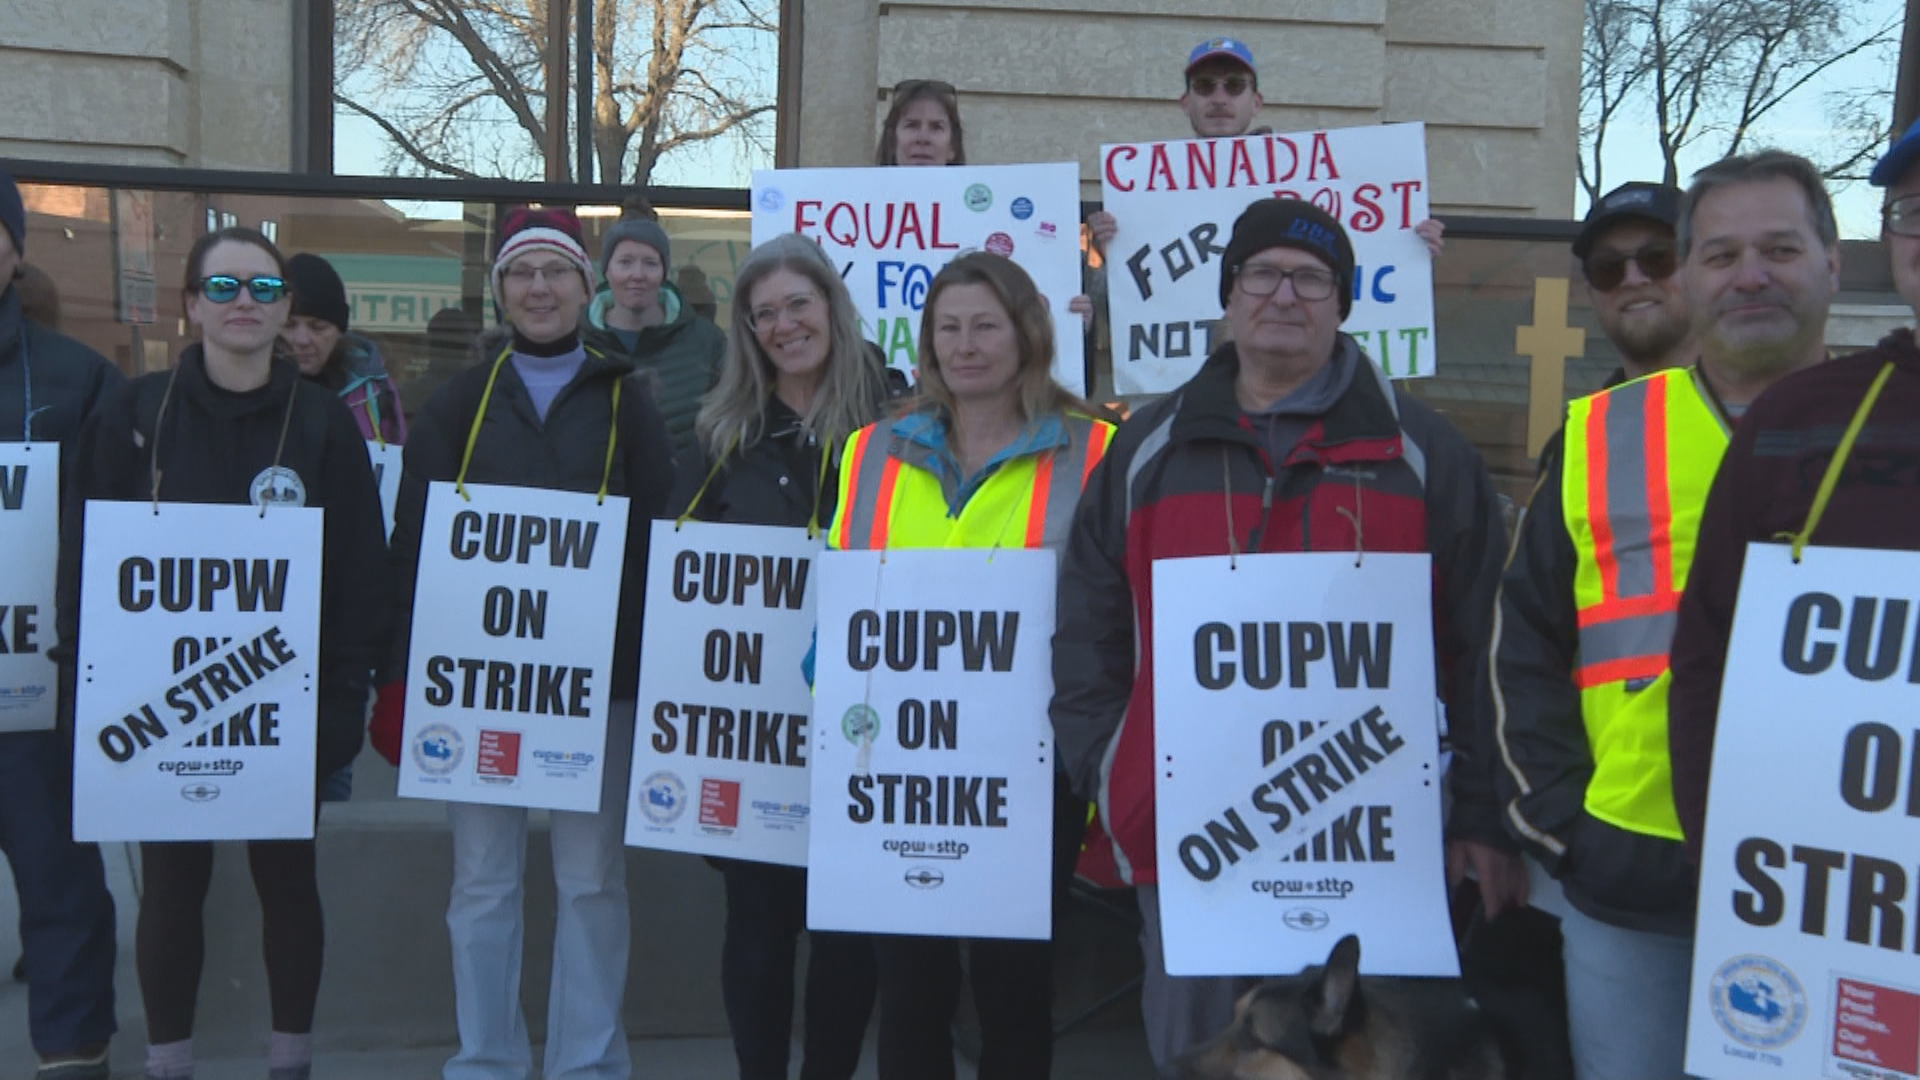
(222, 288)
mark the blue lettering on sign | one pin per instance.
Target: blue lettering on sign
(902, 284)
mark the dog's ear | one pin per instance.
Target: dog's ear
(1339, 985)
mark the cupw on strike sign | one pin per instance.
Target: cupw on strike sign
(30, 550)
(1803, 956)
(197, 699)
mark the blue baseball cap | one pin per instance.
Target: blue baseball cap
(1895, 161)
(1229, 48)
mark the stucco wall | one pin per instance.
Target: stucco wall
(148, 82)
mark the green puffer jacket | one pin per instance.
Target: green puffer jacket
(682, 355)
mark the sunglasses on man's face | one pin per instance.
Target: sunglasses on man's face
(1607, 269)
(1205, 85)
(224, 289)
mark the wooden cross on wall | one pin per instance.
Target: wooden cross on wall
(1548, 344)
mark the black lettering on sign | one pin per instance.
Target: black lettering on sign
(1876, 632)
(722, 578)
(195, 697)
(253, 725)
(733, 656)
(754, 735)
(522, 614)
(909, 799)
(1278, 737)
(511, 538)
(1762, 902)
(1362, 834)
(915, 640)
(929, 725)
(13, 487)
(503, 686)
(1870, 769)
(1818, 866)
(1361, 653)
(184, 584)
(19, 626)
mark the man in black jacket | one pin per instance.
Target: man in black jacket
(48, 384)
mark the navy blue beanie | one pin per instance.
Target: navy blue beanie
(1293, 223)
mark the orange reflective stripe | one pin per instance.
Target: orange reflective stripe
(1597, 465)
(1037, 502)
(1622, 670)
(1659, 495)
(850, 482)
(883, 506)
(1096, 449)
(1628, 607)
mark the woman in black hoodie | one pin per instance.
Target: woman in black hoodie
(225, 425)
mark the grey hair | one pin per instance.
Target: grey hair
(1759, 166)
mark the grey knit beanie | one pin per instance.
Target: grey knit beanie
(641, 229)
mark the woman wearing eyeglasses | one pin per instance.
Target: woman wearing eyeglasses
(541, 410)
(797, 380)
(963, 469)
(208, 431)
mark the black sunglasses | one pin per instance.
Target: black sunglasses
(225, 288)
(1205, 85)
(1658, 260)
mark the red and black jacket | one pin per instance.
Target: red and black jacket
(1378, 470)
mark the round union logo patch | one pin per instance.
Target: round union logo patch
(277, 485)
(1758, 1002)
(437, 749)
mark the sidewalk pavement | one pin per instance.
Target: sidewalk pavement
(1105, 1051)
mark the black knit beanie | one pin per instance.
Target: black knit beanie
(1293, 223)
(318, 292)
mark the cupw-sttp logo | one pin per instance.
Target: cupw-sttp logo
(19, 697)
(663, 798)
(1758, 1002)
(437, 750)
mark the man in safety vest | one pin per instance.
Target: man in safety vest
(1588, 603)
(1769, 483)
(1272, 447)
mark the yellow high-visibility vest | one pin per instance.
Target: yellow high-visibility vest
(1026, 502)
(1639, 461)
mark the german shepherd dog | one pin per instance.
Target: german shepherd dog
(1327, 1023)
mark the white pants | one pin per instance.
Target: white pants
(1626, 999)
(585, 1035)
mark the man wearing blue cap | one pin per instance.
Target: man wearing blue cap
(1774, 473)
(48, 385)
(1223, 89)
(1221, 100)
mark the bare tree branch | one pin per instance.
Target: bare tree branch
(450, 79)
(405, 143)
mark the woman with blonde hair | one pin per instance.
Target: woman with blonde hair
(994, 454)
(796, 381)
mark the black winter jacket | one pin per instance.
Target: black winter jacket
(682, 356)
(211, 444)
(565, 452)
(64, 380)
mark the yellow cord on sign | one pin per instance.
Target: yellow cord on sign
(1831, 479)
(718, 463)
(480, 414)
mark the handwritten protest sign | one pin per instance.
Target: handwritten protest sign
(720, 758)
(889, 230)
(30, 550)
(1296, 786)
(933, 759)
(1803, 952)
(1176, 203)
(195, 712)
(510, 668)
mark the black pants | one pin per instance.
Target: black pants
(766, 910)
(170, 940)
(1012, 985)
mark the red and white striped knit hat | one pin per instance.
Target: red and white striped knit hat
(525, 230)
